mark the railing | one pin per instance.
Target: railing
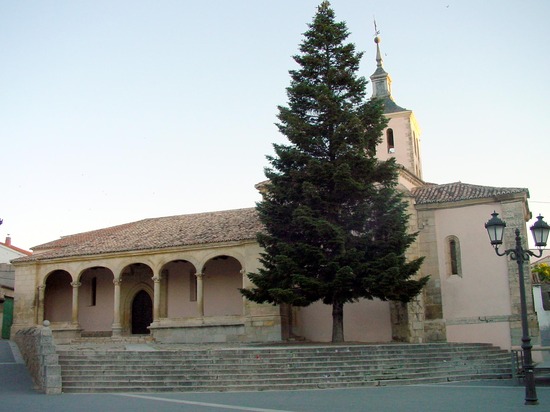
(542, 369)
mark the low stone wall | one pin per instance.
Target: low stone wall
(199, 334)
(38, 349)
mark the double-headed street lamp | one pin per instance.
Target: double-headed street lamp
(495, 228)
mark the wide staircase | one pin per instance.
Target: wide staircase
(155, 368)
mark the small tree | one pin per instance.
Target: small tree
(335, 225)
(542, 270)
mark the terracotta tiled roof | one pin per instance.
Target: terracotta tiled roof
(156, 233)
(458, 191)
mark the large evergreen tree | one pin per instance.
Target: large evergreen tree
(335, 225)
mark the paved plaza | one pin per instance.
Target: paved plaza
(17, 394)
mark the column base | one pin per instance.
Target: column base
(117, 330)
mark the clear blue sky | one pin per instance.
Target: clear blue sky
(115, 111)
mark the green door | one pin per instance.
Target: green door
(7, 320)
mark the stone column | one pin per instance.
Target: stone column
(117, 327)
(200, 294)
(156, 298)
(435, 329)
(244, 308)
(40, 305)
(74, 316)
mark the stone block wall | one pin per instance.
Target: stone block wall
(421, 320)
(434, 326)
(25, 298)
(38, 349)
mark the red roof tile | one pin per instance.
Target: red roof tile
(155, 233)
(458, 191)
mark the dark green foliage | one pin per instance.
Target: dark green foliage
(336, 228)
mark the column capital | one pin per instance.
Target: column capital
(76, 284)
(157, 279)
(117, 281)
(41, 288)
(199, 274)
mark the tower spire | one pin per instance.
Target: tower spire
(379, 60)
(381, 80)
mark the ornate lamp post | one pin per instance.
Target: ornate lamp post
(495, 228)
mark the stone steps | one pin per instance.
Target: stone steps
(252, 381)
(138, 339)
(264, 368)
(137, 368)
(289, 384)
(152, 371)
(139, 360)
(163, 374)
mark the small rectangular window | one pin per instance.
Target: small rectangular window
(453, 264)
(454, 257)
(93, 291)
(192, 287)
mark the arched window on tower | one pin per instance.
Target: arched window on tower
(454, 264)
(389, 140)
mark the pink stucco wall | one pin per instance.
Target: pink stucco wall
(98, 317)
(364, 321)
(482, 290)
(58, 297)
(222, 280)
(179, 303)
(497, 334)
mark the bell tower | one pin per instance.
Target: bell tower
(401, 137)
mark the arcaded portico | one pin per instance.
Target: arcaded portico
(183, 293)
(98, 302)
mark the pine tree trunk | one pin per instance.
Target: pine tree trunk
(337, 322)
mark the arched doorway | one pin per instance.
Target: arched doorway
(142, 313)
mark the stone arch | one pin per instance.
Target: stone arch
(135, 277)
(216, 254)
(178, 289)
(96, 300)
(161, 264)
(58, 295)
(222, 278)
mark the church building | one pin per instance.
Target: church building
(177, 278)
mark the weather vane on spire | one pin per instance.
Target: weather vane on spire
(376, 31)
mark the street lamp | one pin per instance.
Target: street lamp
(495, 227)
